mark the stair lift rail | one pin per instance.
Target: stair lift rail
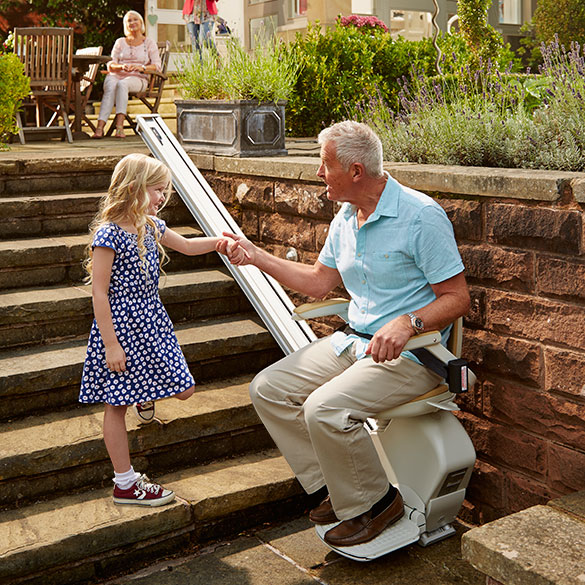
(264, 293)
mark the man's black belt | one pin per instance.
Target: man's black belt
(454, 371)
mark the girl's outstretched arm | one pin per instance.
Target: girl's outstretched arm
(103, 258)
(188, 246)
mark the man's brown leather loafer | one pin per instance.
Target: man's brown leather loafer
(323, 513)
(364, 527)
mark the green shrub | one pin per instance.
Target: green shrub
(563, 19)
(14, 87)
(342, 66)
(483, 40)
(267, 74)
(491, 119)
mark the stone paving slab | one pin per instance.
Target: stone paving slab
(537, 546)
(292, 554)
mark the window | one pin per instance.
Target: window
(297, 8)
(510, 11)
(362, 6)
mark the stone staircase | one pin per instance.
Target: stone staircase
(57, 520)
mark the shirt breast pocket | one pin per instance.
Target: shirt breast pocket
(387, 270)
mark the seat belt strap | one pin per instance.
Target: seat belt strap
(423, 355)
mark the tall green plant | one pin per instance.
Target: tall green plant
(483, 40)
(267, 74)
(14, 87)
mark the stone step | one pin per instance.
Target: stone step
(84, 538)
(60, 214)
(41, 315)
(30, 262)
(45, 378)
(69, 454)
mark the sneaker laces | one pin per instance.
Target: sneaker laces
(145, 405)
(143, 484)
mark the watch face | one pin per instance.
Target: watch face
(418, 323)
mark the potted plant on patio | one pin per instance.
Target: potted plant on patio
(234, 105)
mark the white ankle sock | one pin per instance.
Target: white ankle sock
(127, 479)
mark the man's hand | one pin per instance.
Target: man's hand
(115, 358)
(389, 340)
(239, 250)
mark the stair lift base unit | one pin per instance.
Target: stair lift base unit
(429, 458)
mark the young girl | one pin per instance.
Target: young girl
(133, 355)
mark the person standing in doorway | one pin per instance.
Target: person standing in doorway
(199, 15)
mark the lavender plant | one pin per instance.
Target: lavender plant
(489, 118)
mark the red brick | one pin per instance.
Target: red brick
(287, 231)
(476, 317)
(487, 492)
(250, 225)
(321, 231)
(251, 193)
(517, 450)
(304, 200)
(564, 371)
(524, 492)
(465, 217)
(560, 277)
(539, 228)
(503, 355)
(540, 413)
(535, 318)
(223, 187)
(493, 266)
(566, 471)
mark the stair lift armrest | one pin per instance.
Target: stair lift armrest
(432, 342)
(337, 306)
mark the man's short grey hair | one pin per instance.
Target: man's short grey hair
(355, 143)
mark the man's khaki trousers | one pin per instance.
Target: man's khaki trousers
(314, 404)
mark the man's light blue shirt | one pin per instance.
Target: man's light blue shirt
(389, 264)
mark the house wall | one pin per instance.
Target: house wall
(521, 237)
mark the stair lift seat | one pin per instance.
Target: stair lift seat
(423, 448)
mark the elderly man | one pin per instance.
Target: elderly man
(394, 250)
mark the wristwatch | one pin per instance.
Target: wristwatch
(417, 323)
(143, 69)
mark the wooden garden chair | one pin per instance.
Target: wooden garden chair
(47, 53)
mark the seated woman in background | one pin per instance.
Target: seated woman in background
(133, 58)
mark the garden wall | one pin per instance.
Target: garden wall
(521, 237)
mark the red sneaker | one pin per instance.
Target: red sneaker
(143, 493)
(144, 412)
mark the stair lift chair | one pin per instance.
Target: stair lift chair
(423, 447)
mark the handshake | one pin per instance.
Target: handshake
(238, 249)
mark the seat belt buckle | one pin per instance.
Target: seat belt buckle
(458, 376)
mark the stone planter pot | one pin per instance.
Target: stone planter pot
(231, 128)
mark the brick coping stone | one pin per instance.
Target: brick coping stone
(542, 545)
(546, 186)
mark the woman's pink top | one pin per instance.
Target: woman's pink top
(144, 54)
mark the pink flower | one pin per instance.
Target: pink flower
(363, 22)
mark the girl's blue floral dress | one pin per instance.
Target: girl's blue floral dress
(155, 365)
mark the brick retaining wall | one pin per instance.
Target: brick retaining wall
(521, 237)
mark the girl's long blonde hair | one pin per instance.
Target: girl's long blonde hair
(128, 201)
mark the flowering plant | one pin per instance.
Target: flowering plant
(8, 45)
(363, 23)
